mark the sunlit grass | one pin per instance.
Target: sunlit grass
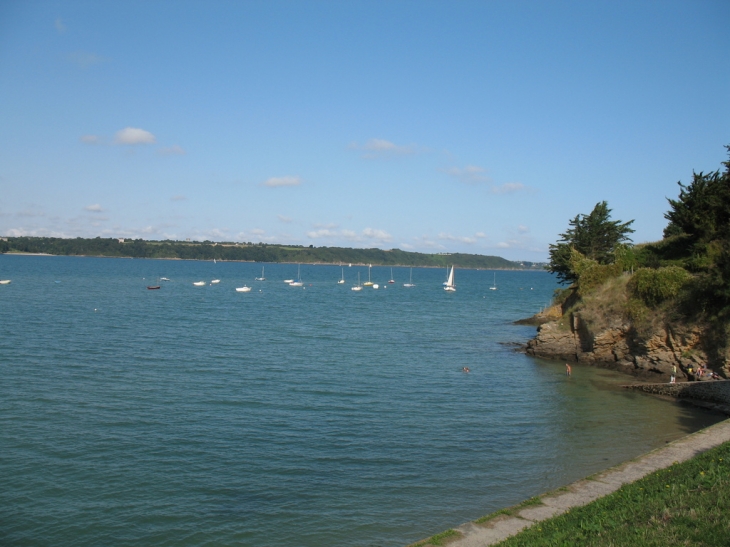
(686, 504)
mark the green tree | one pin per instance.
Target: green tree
(595, 236)
(701, 213)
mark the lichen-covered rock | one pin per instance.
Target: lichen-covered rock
(621, 347)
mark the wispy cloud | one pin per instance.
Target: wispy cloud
(178, 197)
(322, 233)
(60, 27)
(458, 239)
(471, 174)
(284, 219)
(369, 235)
(508, 188)
(90, 139)
(377, 235)
(84, 59)
(95, 208)
(381, 148)
(274, 182)
(134, 135)
(173, 150)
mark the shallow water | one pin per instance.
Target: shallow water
(287, 416)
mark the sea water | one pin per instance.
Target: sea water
(287, 416)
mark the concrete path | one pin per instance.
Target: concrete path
(585, 491)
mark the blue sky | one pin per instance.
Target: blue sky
(478, 127)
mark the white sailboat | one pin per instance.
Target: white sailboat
(262, 278)
(450, 287)
(298, 282)
(391, 281)
(199, 283)
(341, 281)
(4, 281)
(368, 283)
(357, 287)
(410, 283)
(243, 289)
(215, 281)
(494, 283)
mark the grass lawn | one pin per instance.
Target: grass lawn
(686, 504)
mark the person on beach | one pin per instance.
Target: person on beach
(568, 370)
(673, 377)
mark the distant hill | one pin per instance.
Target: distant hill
(249, 252)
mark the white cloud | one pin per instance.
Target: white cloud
(427, 242)
(257, 232)
(368, 235)
(322, 233)
(381, 148)
(377, 235)
(95, 208)
(173, 150)
(472, 174)
(133, 135)
(90, 139)
(522, 229)
(282, 218)
(60, 27)
(179, 197)
(283, 181)
(459, 239)
(503, 245)
(480, 235)
(508, 188)
(84, 59)
(330, 225)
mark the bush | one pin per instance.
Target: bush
(655, 286)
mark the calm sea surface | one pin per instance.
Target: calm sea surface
(310, 416)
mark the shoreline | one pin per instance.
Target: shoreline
(363, 264)
(497, 527)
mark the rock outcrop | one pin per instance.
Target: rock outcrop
(620, 347)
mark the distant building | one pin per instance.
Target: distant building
(121, 240)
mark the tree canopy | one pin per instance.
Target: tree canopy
(595, 236)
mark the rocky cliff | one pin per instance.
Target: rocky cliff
(620, 347)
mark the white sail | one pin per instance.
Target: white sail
(450, 281)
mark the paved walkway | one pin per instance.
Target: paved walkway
(585, 491)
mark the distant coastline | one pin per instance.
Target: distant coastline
(251, 252)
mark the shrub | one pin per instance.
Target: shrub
(655, 286)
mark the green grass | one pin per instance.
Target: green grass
(686, 504)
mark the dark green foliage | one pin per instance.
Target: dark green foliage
(655, 286)
(594, 236)
(702, 210)
(698, 236)
(140, 248)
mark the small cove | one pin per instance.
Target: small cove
(288, 416)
